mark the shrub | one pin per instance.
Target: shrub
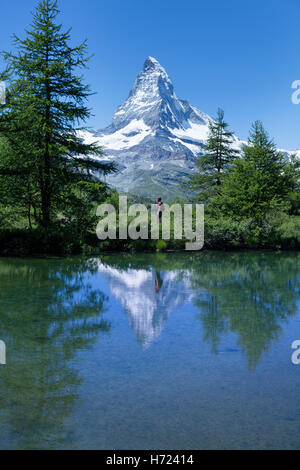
(161, 245)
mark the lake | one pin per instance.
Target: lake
(150, 351)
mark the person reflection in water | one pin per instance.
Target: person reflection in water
(158, 281)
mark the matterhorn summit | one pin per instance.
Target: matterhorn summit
(154, 137)
(153, 105)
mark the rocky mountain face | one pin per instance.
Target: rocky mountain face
(154, 137)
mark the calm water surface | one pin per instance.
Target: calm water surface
(162, 351)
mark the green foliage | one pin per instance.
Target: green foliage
(283, 231)
(223, 232)
(258, 182)
(49, 178)
(279, 230)
(293, 168)
(44, 164)
(161, 245)
(40, 241)
(213, 165)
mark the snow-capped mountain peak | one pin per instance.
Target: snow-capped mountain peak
(152, 99)
(154, 137)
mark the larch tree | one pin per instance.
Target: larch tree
(46, 107)
(219, 154)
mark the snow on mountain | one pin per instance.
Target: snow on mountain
(146, 307)
(153, 112)
(154, 138)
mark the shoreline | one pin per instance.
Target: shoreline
(146, 252)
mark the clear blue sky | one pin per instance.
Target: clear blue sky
(239, 55)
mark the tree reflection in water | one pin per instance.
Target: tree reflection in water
(45, 321)
(250, 294)
(247, 293)
(49, 312)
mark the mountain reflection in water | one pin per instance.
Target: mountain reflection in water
(74, 368)
(250, 294)
(148, 297)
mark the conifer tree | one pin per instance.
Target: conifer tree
(45, 109)
(219, 154)
(260, 181)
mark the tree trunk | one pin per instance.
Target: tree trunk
(46, 190)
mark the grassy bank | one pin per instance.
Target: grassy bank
(279, 231)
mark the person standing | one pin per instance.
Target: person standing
(159, 209)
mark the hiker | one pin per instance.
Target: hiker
(160, 209)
